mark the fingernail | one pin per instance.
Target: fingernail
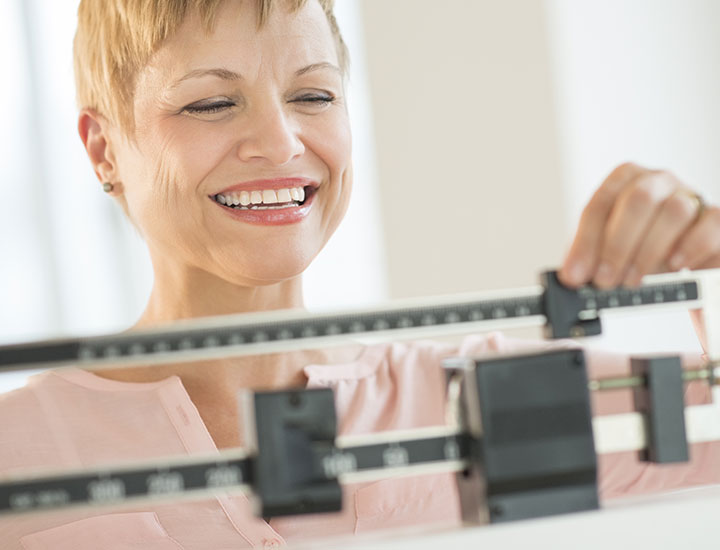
(605, 274)
(677, 261)
(577, 273)
(632, 279)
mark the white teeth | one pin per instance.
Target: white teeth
(269, 196)
(283, 195)
(251, 199)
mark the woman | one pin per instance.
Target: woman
(221, 130)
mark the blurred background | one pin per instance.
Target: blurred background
(481, 128)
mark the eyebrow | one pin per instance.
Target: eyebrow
(318, 66)
(226, 74)
(223, 74)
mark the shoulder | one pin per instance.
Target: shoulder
(38, 420)
(24, 425)
(21, 404)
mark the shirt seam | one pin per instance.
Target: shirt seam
(180, 431)
(173, 421)
(97, 383)
(233, 523)
(171, 538)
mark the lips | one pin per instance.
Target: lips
(270, 214)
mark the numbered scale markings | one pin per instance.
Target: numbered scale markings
(278, 331)
(119, 484)
(445, 448)
(354, 462)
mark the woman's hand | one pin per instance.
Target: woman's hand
(641, 221)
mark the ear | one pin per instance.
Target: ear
(94, 132)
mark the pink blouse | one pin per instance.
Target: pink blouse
(72, 418)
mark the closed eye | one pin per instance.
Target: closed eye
(208, 108)
(315, 99)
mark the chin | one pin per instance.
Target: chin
(267, 267)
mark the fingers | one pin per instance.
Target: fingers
(639, 222)
(674, 218)
(630, 220)
(582, 259)
(699, 247)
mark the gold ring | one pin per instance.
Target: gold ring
(699, 202)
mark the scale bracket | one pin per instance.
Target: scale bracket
(562, 310)
(535, 454)
(291, 427)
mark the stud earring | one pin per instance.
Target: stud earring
(107, 187)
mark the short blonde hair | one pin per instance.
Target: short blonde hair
(116, 38)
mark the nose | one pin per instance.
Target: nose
(269, 134)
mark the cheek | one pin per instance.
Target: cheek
(161, 178)
(334, 147)
(178, 158)
(332, 143)
(340, 150)
(187, 153)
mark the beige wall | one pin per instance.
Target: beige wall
(469, 176)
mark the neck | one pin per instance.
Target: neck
(195, 293)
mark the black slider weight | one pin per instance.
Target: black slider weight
(536, 454)
(292, 428)
(661, 398)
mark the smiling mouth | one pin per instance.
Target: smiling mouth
(266, 199)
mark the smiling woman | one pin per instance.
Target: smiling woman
(243, 102)
(79, 266)
(212, 117)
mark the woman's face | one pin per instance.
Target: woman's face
(240, 115)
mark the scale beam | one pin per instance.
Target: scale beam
(564, 312)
